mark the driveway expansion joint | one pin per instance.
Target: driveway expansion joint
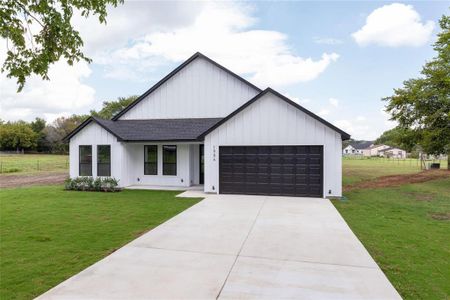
(182, 250)
(310, 262)
(242, 246)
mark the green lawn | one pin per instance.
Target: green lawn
(362, 169)
(48, 234)
(32, 163)
(407, 231)
(356, 170)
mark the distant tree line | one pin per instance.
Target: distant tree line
(40, 136)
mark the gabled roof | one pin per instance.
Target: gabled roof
(390, 148)
(175, 71)
(362, 145)
(155, 130)
(344, 135)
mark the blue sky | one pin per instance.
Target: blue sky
(306, 50)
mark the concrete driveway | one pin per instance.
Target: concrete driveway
(233, 246)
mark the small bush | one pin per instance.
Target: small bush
(11, 170)
(100, 184)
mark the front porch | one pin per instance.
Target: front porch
(163, 165)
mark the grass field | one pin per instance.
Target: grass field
(357, 170)
(32, 163)
(406, 230)
(48, 234)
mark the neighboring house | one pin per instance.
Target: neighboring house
(384, 151)
(373, 150)
(392, 152)
(350, 150)
(356, 148)
(203, 124)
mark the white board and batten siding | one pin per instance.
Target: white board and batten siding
(200, 90)
(93, 135)
(271, 121)
(187, 163)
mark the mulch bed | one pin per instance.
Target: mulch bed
(398, 180)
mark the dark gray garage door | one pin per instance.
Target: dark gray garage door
(271, 170)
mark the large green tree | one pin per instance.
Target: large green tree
(111, 108)
(398, 137)
(37, 135)
(38, 126)
(17, 136)
(61, 127)
(33, 52)
(422, 105)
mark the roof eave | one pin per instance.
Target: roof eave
(84, 124)
(162, 141)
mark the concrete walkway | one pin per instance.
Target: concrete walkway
(238, 247)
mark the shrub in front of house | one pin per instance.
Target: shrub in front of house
(85, 183)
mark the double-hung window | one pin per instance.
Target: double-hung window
(103, 160)
(151, 160)
(85, 160)
(170, 160)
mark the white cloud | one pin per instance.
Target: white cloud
(394, 25)
(334, 102)
(324, 112)
(222, 31)
(297, 99)
(329, 108)
(132, 20)
(142, 36)
(64, 94)
(360, 118)
(305, 100)
(355, 129)
(327, 41)
(365, 128)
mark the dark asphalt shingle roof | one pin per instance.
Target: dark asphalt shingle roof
(158, 129)
(154, 129)
(362, 145)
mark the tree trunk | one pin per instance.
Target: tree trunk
(448, 159)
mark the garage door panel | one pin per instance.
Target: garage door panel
(263, 168)
(289, 180)
(314, 161)
(263, 178)
(274, 179)
(301, 179)
(271, 170)
(315, 149)
(289, 169)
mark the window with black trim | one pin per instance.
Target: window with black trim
(151, 160)
(85, 160)
(170, 160)
(103, 160)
